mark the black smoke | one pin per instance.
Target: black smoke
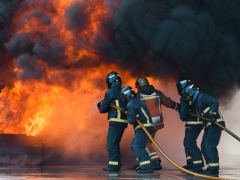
(165, 39)
(77, 17)
(162, 38)
(7, 76)
(43, 44)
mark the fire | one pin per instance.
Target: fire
(29, 106)
(60, 105)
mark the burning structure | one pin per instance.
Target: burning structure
(55, 55)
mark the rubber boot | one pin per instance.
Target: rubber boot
(140, 170)
(111, 169)
(156, 165)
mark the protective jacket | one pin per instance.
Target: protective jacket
(138, 110)
(207, 106)
(154, 99)
(186, 107)
(115, 117)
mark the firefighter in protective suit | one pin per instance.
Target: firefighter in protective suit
(117, 120)
(136, 109)
(154, 99)
(193, 128)
(207, 106)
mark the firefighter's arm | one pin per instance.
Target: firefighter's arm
(211, 104)
(167, 101)
(103, 105)
(184, 109)
(131, 113)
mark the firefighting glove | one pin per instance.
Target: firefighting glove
(212, 116)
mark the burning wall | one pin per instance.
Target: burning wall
(55, 55)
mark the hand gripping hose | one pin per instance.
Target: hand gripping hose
(165, 155)
(219, 125)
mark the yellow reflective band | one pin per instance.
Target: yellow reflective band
(115, 163)
(113, 175)
(144, 163)
(154, 157)
(153, 153)
(206, 110)
(213, 164)
(194, 122)
(189, 157)
(137, 159)
(145, 125)
(118, 120)
(212, 112)
(118, 111)
(208, 124)
(145, 114)
(149, 97)
(220, 120)
(197, 162)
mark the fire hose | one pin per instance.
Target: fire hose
(166, 156)
(219, 125)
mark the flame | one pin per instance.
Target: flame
(60, 107)
(28, 107)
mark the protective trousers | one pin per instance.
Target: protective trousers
(193, 153)
(152, 153)
(138, 146)
(113, 146)
(210, 141)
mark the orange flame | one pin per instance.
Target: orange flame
(28, 107)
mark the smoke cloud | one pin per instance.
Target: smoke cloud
(199, 40)
(77, 17)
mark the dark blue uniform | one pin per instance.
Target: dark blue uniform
(138, 110)
(208, 106)
(117, 124)
(192, 131)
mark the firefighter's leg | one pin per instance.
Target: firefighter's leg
(155, 159)
(139, 148)
(113, 140)
(197, 160)
(186, 148)
(212, 140)
(193, 153)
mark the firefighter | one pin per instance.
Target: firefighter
(207, 106)
(154, 98)
(136, 109)
(193, 128)
(117, 120)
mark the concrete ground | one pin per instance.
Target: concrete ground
(86, 173)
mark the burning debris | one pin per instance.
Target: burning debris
(55, 54)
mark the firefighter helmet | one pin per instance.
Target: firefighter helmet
(142, 81)
(127, 92)
(181, 84)
(113, 77)
(190, 90)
